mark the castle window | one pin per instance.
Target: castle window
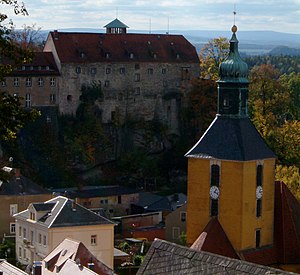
(107, 55)
(3, 83)
(137, 91)
(40, 82)
(24, 233)
(106, 83)
(137, 77)
(44, 240)
(150, 71)
(52, 98)
(93, 71)
(27, 100)
(257, 238)
(137, 66)
(69, 97)
(131, 55)
(78, 70)
(93, 239)
(52, 82)
(122, 70)
(28, 82)
(163, 71)
(108, 70)
(12, 228)
(16, 82)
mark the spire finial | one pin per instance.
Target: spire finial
(234, 27)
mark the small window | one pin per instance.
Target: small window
(137, 77)
(93, 71)
(24, 233)
(32, 216)
(108, 70)
(176, 233)
(3, 83)
(52, 82)
(40, 238)
(119, 199)
(28, 82)
(257, 238)
(13, 209)
(20, 231)
(40, 82)
(258, 208)
(107, 55)
(106, 83)
(24, 253)
(20, 252)
(52, 98)
(122, 70)
(78, 70)
(163, 70)
(131, 55)
(16, 82)
(94, 240)
(44, 240)
(12, 228)
(137, 91)
(183, 216)
(214, 175)
(28, 100)
(150, 71)
(137, 66)
(31, 236)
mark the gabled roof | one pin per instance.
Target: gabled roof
(116, 23)
(74, 250)
(64, 212)
(168, 258)
(231, 139)
(21, 185)
(99, 47)
(214, 239)
(9, 269)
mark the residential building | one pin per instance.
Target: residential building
(168, 258)
(15, 196)
(175, 224)
(73, 256)
(234, 207)
(114, 200)
(8, 269)
(43, 226)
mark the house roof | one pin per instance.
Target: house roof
(75, 251)
(42, 64)
(231, 139)
(214, 239)
(20, 185)
(168, 258)
(9, 269)
(74, 47)
(64, 213)
(71, 267)
(96, 191)
(116, 23)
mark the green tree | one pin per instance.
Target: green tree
(211, 55)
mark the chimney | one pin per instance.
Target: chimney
(91, 266)
(37, 268)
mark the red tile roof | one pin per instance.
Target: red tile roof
(99, 47)
(214, 239)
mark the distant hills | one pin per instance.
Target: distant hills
(251, 42)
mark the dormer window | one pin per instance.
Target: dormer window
(32, 216)
(131, 55)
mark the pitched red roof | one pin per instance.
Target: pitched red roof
(214, 239)
(100, 47)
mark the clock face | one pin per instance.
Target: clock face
(259, 192)
(214, 192)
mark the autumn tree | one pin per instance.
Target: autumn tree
(12, 116)
(211, 55)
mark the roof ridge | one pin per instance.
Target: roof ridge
(58, 212)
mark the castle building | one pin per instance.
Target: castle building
(143, 76)
(231, 207)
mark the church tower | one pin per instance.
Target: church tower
(231, 169)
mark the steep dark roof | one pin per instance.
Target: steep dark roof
(42, 64)
(168, 258)
(231, 139)
(21, 186)
(66, 213)
(214, 239)
(43, 206)
(100, 47)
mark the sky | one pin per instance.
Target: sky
(274, 15)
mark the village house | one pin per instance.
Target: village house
(42, 226)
